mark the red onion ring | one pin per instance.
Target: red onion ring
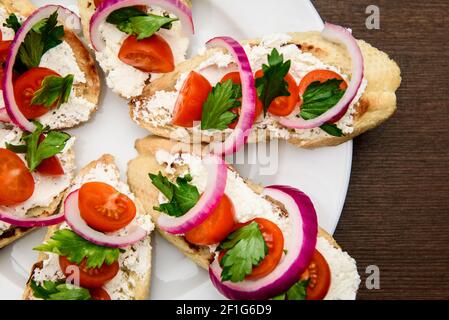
(66, 17)
(300, 245)
(217, 173)
(238, 138)
(177, 7)
(31, 222)
(342, 36)
(4, 115)
(73, 218)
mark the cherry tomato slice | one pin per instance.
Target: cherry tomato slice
(104, 208)
(148, 55)
(25, 87)
(90, 278)
(4, 49)
(16, 181)
(189, 105)
(275, 242)
(321, 76)
(284, 105)
(319, 275)
(235, 77)
(217, 227)
(50, 166)
(99, 294)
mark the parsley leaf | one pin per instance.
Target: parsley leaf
(246, 248)
(273, 84)
(44, 36)
(31, 50)
(297, 292)
(122, 15)
(182, 196)
(68, 244)
(37, 149)
(216, 110)
(59, 290)
(145, 26)
(54, 89)
(136, 22)
(12, 22)
(319, 98)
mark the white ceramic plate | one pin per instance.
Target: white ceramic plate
(323, 174)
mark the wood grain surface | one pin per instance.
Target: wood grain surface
(397, 211)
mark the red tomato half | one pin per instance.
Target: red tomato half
(25, 87)
(16, 181)
(284, 105)
(217, 227)
(321, 76)
(189, 105)
(4, 50)
(90, 278)
(152, 54)
(319, 275)
(50, 166)
(104, 208)
(99, 294)
(275, 242)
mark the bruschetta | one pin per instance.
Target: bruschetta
(135, 44)
(105, 238)
(35, 171)
(312, 89)
(257, 243)
(50, 76)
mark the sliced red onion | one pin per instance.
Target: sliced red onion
(217, 173)
(66, 17)
(31, 222)
(239, 136)
(4, 115)
(342, 36)
(299, 245)
(176, 7)
(134, 233)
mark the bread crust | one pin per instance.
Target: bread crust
(142, 187)
(91, 89)
(142, 288)
(377, 104)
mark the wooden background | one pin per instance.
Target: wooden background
(397, 211)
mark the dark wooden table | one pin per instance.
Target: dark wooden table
(397, 211)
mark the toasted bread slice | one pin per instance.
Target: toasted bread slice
(142, 286)
(142, 187)
(87, 9)
(14, 233)
(90, 90)
(376, 105)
